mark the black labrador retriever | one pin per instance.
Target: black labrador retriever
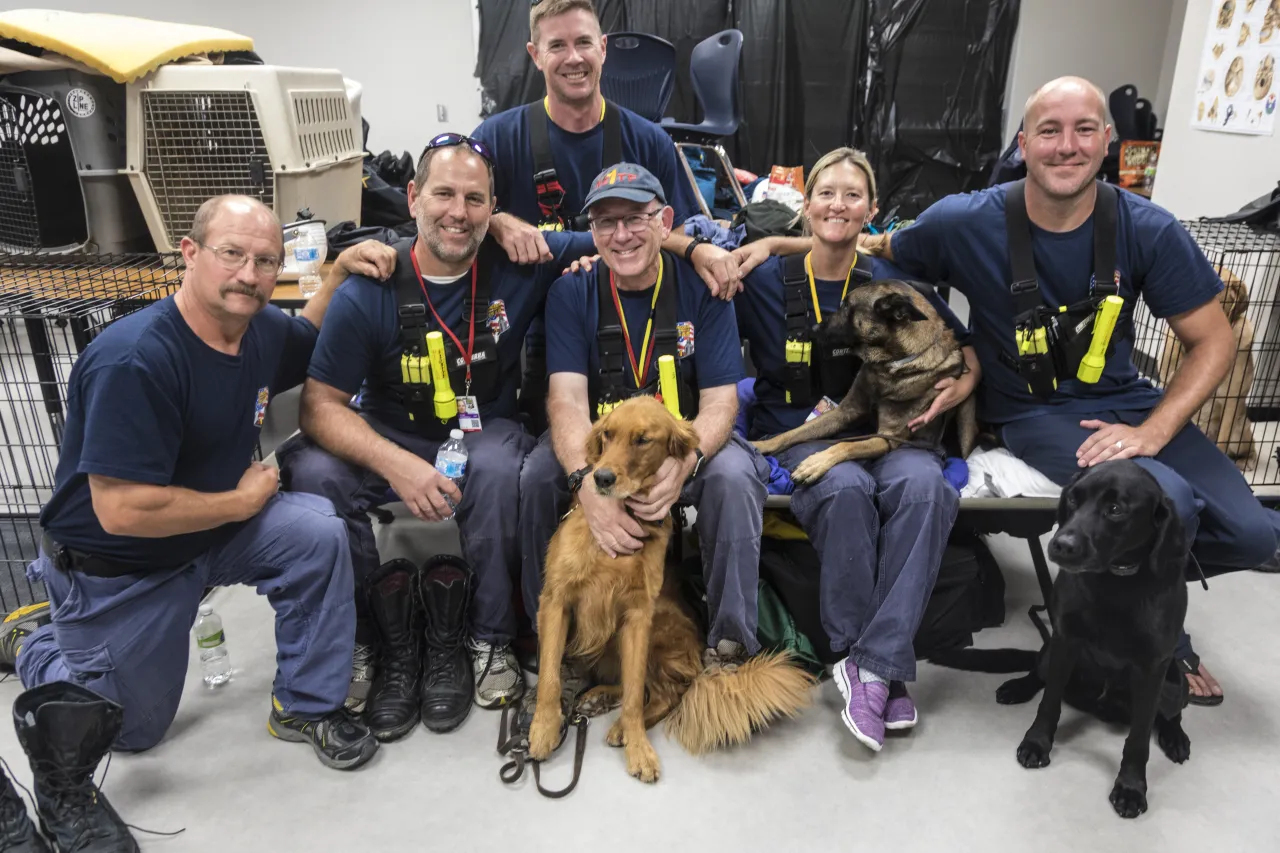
(1118, 605)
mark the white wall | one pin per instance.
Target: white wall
(1111, 42)
(409, 55)
(1203, 173)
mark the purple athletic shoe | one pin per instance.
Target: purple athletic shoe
(900, 711)
(863, 710)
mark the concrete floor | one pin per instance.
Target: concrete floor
(806, 785)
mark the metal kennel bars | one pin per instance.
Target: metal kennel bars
(1243, 416)
(51, 307)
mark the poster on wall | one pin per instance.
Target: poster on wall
(1236, 86)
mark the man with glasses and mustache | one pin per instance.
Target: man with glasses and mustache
(964, 240)
(452, 281)
(537, 195)
(157, 499)
(638, 304)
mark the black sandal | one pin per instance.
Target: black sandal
(1190, 665)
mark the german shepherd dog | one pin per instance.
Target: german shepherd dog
(906, 348)
(628, 623)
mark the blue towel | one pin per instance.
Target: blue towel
(956, 472)
(726, 238)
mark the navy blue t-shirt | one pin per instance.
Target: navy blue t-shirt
(360, 342)
(761, 310)
(150, 402)
(710, 354)
(578, 160)
(961, 240)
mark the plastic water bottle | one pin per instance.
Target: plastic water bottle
(451, 460)
(215, 662)
(310, 249)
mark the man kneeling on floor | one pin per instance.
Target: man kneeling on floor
(156, 500)
(607, 329)
(454, 284)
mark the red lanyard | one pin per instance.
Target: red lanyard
(646, 354)
(471, 336)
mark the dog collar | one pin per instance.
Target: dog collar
(1123, 571)
(903, 363)
(576, 478)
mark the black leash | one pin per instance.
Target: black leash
(515, 743)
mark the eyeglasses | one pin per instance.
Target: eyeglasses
(233, 259)
(634, 222)
(446, 140)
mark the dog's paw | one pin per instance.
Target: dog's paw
(812, 469)
(642, 761)
(1018, 690)
(1173, 741)
(616, 736)
(544, 735)
(1033, 754)
(1128, 801)
(599, 700)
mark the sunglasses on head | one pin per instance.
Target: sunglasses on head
(446, 140)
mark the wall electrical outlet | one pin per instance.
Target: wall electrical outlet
(442, 114)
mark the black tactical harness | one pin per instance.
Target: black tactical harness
(609, 386)
(415, 320)
(546, 183)
(1052, 340)
(814, 369)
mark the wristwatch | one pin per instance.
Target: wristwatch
(576, 478)
(697, 241)
(698, 457)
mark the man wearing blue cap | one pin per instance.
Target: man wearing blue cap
(612, 322)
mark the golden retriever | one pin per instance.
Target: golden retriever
(1223, 417)
(629, 625)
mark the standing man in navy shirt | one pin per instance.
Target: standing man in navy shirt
(157, 498)
(648, 303)
(547, 152)
(964, 241)
(453, 281)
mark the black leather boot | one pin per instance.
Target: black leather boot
(65, 730)
(447, 685)
(392, 711)
(17, 832)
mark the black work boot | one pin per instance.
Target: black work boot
(17, 832)
(65, 730)
(17, 626)
(392, 711)
(445, 590)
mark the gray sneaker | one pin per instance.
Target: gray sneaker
(727, 655)
(361, 678)
(499, 680)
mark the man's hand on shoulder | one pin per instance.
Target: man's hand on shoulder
(369, 258)
(257, 485)
(719, 269)
(523, 243)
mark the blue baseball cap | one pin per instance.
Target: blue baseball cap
(625, 180)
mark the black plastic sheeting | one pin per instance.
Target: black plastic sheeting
(917, 84)
(934, 113)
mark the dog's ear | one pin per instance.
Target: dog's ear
(595, 441)
(1169, 548)
(1063, 510)
(898, 308)
(682, 440)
